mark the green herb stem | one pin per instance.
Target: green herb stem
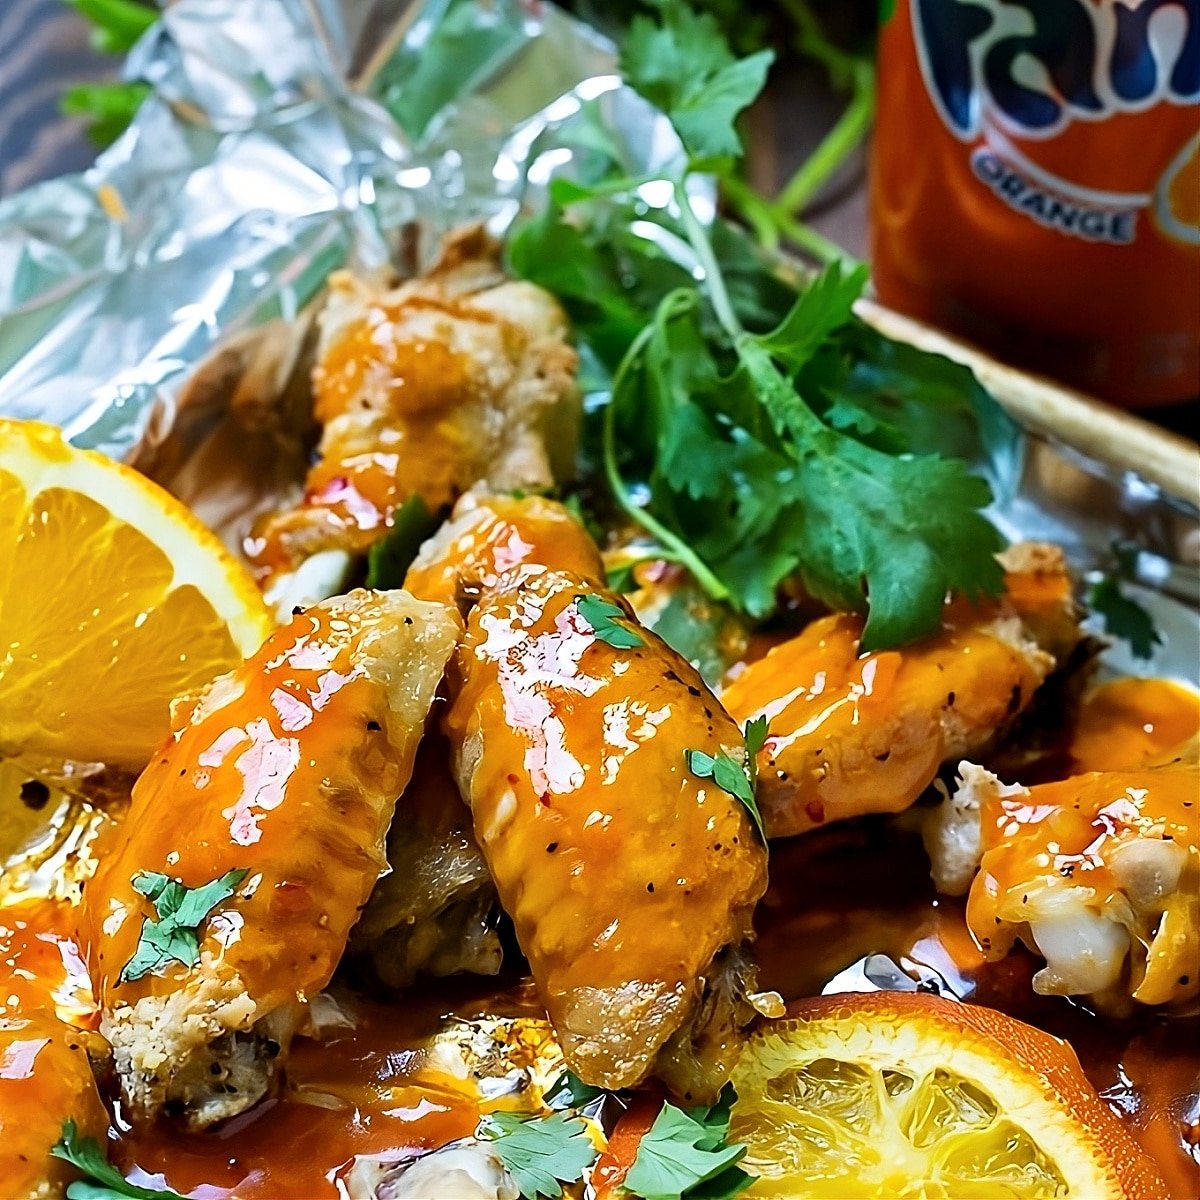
(697, 236)
(674, 546)
(835, 147)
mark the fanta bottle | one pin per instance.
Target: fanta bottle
(1036, 184)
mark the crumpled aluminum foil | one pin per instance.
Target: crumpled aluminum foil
(263, 160)
(146, 299)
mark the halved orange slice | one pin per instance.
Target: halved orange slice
(114, 599)
(907, 1095)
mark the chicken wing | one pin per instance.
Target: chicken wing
(630, 879)
(435, 912)
(489, 536)
(252, 843)
(45, 1069)
(852, 733)
(427, 389)
(1098, 873)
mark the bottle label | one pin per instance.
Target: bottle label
(1009, 77)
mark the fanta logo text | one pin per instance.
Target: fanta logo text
(1037, 65)
(1087, 221)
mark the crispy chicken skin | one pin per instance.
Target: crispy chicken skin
(1098, 873)
(45, 1070)
(852, 733)
(288, 768)
(451, 379)
(626, 875)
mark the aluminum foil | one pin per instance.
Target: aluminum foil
(264, 160)
(146, 300)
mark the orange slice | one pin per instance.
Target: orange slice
(114, 599)
(907, 1095)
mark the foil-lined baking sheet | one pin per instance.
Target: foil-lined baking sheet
(159, 306)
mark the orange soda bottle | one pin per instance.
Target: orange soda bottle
(1036, 184)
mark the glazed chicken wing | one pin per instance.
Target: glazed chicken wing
(45, 1069)
(1098, 873)
(852, 733)
(434, 913)
(259, 828)
(630, 879)
(488, 536)
(448, 380)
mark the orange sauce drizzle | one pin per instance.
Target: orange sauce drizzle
(835, 895)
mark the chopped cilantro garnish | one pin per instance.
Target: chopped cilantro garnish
(104, 1181)
(569, 1091)
(756, 736)
(730, 776)
(602, 615)
(541, 1153)
(175, 935)
(688, 1155)
(1124, 617)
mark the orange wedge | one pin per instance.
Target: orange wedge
(114, 599)
(907, 1095)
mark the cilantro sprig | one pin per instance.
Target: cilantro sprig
(541, 1153)
(102, 1180)
(602, 615)
(173, 935)
(738, 779)
(1124, 617)
(687, 1154)
(756, 433)
(109, 107)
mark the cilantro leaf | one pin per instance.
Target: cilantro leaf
(900, 399)
(825, 305)
(682, 65)
(180, 911)
(687, 1154)
(541, 1153)
(756, 735)
(117, 23)
(761, 433)
(730, 776)
(756, 487)
(602, 615)
(569, 1091)
(1124, 617)
(104, 1181)
(389, 558)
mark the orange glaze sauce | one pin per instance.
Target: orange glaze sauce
(1128, 722)
(45, 1074)
(363, 1091)
(839, 894)
(399, 396)
(852, 733)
